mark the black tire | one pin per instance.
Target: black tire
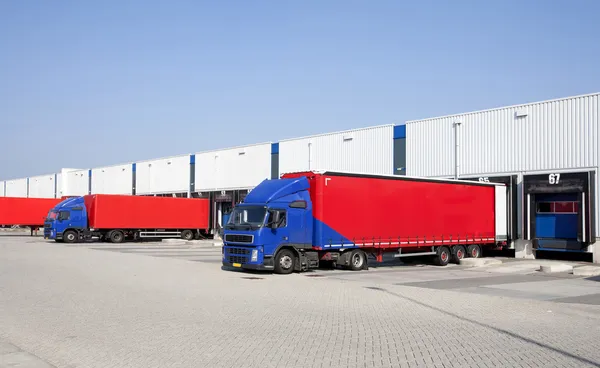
(474, 251)
(285, 262)
(70, 236)
(187, 235)
(116, 236)
(358, 260)
(443, 256)
(458, 252)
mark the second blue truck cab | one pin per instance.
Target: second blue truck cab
(66, 220)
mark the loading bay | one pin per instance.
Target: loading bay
(171, 305)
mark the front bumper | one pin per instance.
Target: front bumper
(249, 266)
(241, 258)
(51, 234)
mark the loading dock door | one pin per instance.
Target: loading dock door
(556, 221)
(559, 211)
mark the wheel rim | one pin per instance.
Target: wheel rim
(357, 260)
(286, 262)
(70, 237)
(474, 253)
(460, 254)
(444, 256)
(117, 237)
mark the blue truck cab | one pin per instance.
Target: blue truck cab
(66, 220)
(272, 229)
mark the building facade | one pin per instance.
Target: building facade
(547, 151)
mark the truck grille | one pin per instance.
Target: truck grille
(238, 259)
(244, 251)
(238, 238)
(238, 255)
(47, 226)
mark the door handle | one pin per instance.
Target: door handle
(285, 238)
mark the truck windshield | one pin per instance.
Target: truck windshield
(247, 216)
(52, 215)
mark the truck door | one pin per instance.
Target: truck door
(278, 222)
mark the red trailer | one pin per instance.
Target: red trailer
(29, 212)
(117, 217)
(410, 216)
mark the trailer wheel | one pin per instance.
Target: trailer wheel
(474, 251)
(285, 262)
(70, 236)
(443, 256)
(458, 253)
(187, 235)
(357, 260)
(116, 236)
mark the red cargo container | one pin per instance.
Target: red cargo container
(411, 215)
(140, 212)
(25, 211)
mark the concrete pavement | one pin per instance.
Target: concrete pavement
(159, 305)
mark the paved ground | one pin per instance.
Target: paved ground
(160, 305)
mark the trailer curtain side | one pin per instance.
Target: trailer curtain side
(390, 212)
(25, 211)
(140, 212)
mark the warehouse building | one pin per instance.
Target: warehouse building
(546, 152)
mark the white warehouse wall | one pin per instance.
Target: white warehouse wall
(542, 137)
(116, 179)
(77, 183)
(165, 175)
(42, 186)
(234, 168)
(16, 188)
(368, 150)
(548, 135)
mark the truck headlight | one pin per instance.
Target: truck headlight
(254, 255)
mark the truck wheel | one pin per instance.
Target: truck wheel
(187, 235)
(357, 260)
(70, 236)
(458, 252)
(285, 261)
(443, 256)
(474, 251)
(116, 236)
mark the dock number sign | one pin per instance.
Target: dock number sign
(553, 179)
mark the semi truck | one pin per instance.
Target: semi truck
(26, 212)
(116, 218)
(314, 219)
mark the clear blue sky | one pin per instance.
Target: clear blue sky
(85, 84)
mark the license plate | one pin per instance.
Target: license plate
(237, 265)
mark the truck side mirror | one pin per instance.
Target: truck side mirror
(276, 218)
